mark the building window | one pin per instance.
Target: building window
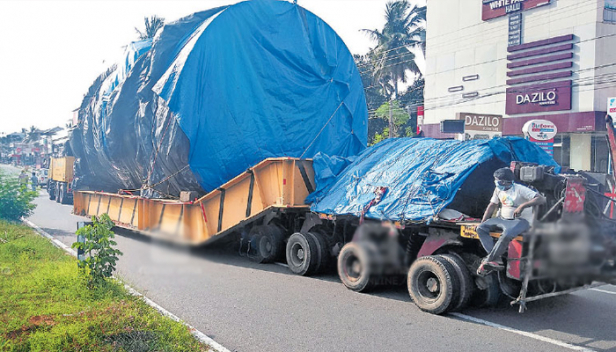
(599, 153)
(609, 15)
(562, 149)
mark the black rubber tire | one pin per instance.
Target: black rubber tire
(357, 264)
(509, 287)
(489, 294)
(51, 191)
(65, 198)
(267, 242)
(431, 270)
(58, 195)
(301, 254)
(323, 256)
(467, 284)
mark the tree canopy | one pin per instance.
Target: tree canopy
(152, 25)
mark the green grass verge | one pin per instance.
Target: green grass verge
(45, 305)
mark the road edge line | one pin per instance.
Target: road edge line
(203, 338)
(604, 291)
(523, 333)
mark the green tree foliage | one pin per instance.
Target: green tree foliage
(403, 126)
(390, 63)
(375, 96)
(98, 247)
(152, 25)
(403, 30)
(15, 199)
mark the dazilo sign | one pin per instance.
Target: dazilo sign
(554, 96)
(481, 122)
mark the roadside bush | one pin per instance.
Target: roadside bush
(15, 199)
(100, 262)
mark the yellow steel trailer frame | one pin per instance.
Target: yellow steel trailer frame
(273, 184)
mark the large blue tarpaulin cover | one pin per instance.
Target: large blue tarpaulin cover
(217, 92)
(423, 176)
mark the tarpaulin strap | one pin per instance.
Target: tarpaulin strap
(250, 192)
(98, 207)
(379, 193)
(132, 218)
(169, 177)
(321, 131)
(160, 219)
(221, 208)
(108, 205)
(302, 171)
(120, 212)
(177, 226)
(89, 202)
(203, 212)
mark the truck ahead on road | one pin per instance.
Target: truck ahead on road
(571, 245)
(60, 178)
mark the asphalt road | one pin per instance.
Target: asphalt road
(251, 307)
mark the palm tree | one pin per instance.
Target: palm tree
(393, 59)
(152, 25)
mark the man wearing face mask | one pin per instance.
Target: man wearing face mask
(516, 202)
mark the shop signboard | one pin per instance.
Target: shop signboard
(554, 96)
(611, 108)
(542, 133)
(498, 8)
(420, 118)
(515, 29)
(481, 122)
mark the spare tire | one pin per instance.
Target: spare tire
(358, 266)
(302, 254)
(433, 284)
(467, 284)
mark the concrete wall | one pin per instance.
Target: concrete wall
(459, 44)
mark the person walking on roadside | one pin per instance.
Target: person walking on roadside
(512, 219)
(23, 178)
(34, 181)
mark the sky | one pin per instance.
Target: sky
(51, 51)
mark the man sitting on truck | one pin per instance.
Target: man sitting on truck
(513, 219)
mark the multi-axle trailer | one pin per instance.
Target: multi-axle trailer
(263, 211)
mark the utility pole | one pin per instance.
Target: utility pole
(391, 119)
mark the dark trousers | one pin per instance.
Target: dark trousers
(510, 228)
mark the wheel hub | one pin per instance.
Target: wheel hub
(356, 267)
(300, 254)
(432, 285)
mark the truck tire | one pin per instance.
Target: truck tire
(301, 254)
(322, 251)
(64, 194)
(467, 284)
(58, 193)
(358, 266)
(268, 243)
(433, 284)
(51, 190)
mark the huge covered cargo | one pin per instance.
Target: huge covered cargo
(215, 93)
(414, 179)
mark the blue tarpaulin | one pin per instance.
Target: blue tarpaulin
(217, 92)
(422, 176)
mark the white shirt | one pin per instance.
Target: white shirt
(511, 199)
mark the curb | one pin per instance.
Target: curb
(203, 338)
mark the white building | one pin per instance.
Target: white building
(523, 60)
